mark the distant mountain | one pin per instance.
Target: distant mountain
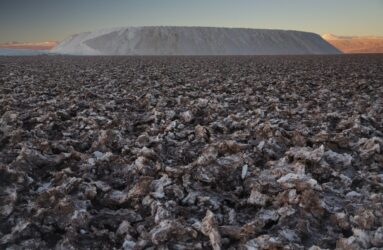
(34, 46)
(356, 44)
(21, 52)
(193, 41)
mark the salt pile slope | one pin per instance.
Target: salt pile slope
(193, 41)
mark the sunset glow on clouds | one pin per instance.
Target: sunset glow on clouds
(38, 45)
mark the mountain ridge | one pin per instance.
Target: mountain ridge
(21, 52)
(356, 44)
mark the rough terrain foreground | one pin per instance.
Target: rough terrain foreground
(158, 40)
(191, 152)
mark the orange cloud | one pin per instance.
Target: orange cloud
(38, 45)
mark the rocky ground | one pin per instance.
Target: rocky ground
(191, 152)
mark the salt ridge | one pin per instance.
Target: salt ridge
(193, 41)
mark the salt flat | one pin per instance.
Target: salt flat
(189, 152)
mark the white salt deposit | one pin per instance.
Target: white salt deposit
(193, 41)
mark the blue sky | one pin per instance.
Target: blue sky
(41, 20)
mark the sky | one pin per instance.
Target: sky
(54, 20)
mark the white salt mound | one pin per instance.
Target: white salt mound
(193, 41)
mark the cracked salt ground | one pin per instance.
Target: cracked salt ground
(191, 152)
